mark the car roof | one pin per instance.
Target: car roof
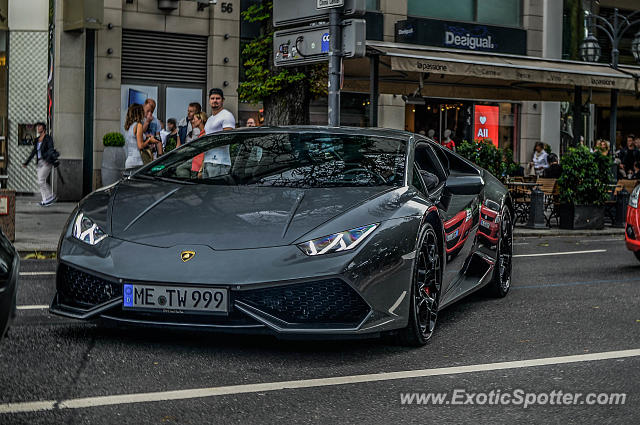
(365, 131)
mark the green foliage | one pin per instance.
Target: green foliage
(498, 162)
(261, 79)
(584, 177)
(113, 139)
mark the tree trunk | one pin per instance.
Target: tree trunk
(289, 106)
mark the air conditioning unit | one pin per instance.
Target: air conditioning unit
(167, 5)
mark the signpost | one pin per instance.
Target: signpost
(319, 42)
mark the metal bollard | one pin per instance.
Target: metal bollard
(536, 219)
(622, 200)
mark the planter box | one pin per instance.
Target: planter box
(113, 159)
(579, 217)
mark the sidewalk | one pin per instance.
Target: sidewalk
(521, 231)
(39, 228)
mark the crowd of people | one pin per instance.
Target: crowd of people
(146, 137)
(628, 158)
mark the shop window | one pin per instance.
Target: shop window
(458, 10)
(373, 5)
(496, 12)
(499, 12)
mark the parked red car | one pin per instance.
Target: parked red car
(632, 233)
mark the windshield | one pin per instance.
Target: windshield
(285, 160)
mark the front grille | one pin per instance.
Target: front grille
(322, 302)
(76, 287)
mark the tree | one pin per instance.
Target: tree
(284, 92)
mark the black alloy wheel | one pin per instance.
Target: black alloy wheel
(501, 280)
(425, 292)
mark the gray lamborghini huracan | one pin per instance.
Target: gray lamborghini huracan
(296, 231)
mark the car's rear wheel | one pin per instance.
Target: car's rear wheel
(501, 279)
(425, 292)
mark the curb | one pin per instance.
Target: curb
(525, 233)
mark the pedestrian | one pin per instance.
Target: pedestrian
(185, 129)
(151, 125)
(198, 122)
(636, 171)
(554, 170)
(251, 122)
(46, 157)
(173, 138)
(539, 160)
(217, 161)
(137, 146)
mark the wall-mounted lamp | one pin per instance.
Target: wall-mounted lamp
(109, 51)
(226, 60)
(110, 26)
(225, 83)
(227, 36)
(109, 76)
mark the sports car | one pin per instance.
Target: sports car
(9, 265)
(316, 231)
(632, 231)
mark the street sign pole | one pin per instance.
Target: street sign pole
(335, 58)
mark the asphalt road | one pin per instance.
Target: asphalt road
(564, 303)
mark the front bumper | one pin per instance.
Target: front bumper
(278, 290)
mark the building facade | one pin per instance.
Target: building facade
(80, 78)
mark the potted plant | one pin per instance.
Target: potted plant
(113, 158)
(485, 154)
(583, 188)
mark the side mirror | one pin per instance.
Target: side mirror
(465, 184)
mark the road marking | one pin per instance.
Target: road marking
(119, 399)
(37, 273)
(620, 239)
(32, 307)
(521, 243)
(586, 282)
(544, 254)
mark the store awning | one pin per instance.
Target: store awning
(480, 75)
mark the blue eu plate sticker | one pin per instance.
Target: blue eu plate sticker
(128, 295)
(324, 47)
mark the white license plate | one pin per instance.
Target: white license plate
(485, 223)
(175, 298)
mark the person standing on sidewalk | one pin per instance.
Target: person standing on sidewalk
(43, 152)
(217, 161)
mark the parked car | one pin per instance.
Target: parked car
(294, 231)
(632, 231)
(9, 266)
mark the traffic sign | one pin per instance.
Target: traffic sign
(328, 4)
(306, 45)
(293, 12)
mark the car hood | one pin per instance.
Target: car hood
(225, 217)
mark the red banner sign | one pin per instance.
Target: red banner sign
(487, 122)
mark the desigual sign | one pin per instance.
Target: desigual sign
(458, 35)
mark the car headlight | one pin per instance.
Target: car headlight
(86, 230)
(633, 199)
(337, 242)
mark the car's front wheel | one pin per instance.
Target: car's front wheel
(425, 292)
(501, 279)
(637, 254)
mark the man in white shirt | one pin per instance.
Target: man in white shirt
(217, 161)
